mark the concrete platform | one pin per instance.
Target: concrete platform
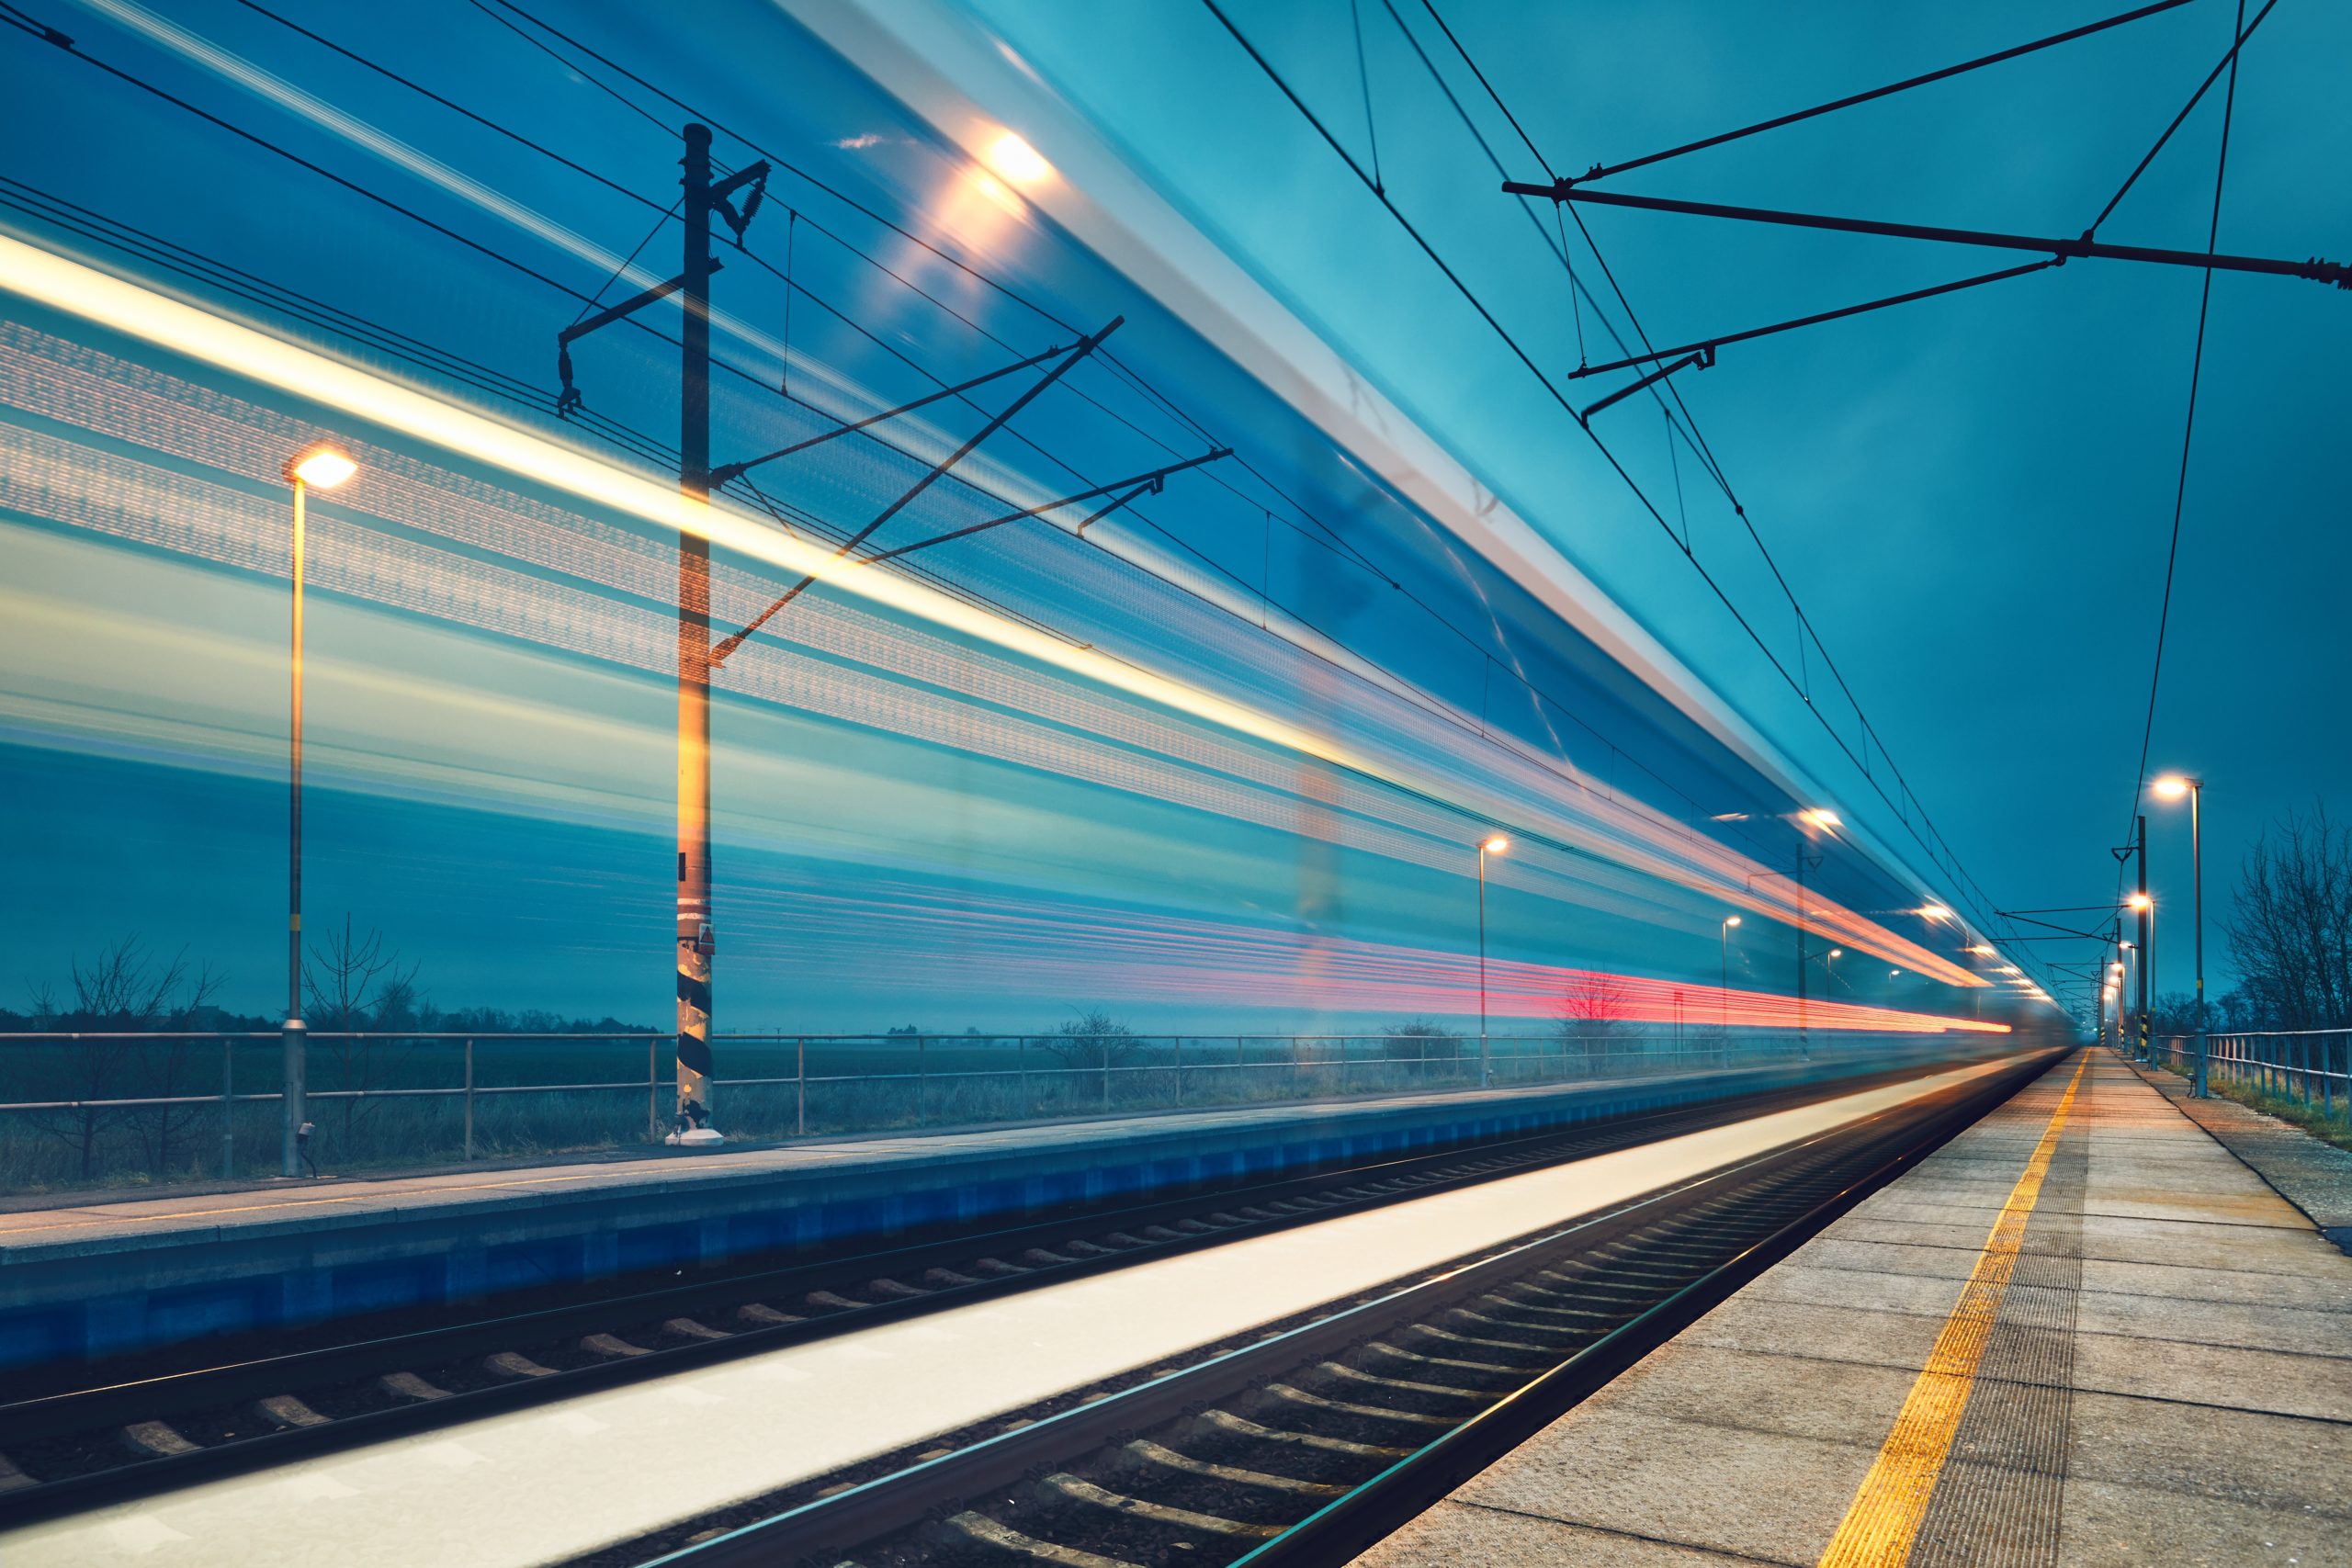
(92, 1279)
(2090, 1338)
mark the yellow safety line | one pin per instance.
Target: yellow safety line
(1884, 1516)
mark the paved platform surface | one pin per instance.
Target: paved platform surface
(2083, 1331)
(2313, 1175)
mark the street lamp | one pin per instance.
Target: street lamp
(318, 467)
(1722, 992)
(1493, 844)
(2172, 786)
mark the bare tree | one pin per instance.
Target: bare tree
(357, 986)
(2290, 935)
(1589, 1012)
(124, 989)
(1093, 1039)
(1420, 1038)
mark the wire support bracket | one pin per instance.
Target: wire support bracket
(1134, 488)
(1704, 359)
(2315, 268)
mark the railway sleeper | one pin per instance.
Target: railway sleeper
(947, 1278)
(611, 1347)
(968, 1527)
(155, 1439)
(1536, 1351)
(1283, 1390)
(1241, 1426)
(693, 1328)
(833, 1301)
(1144, 1449)
(408, 1385)
(759, 1314)
(1455, 1362)
(513, 1366)
(286, 1412)
(1562, 1330)
(1074, 1489)
(1585, 1313)
(1351, 1374)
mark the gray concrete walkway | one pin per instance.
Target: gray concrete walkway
(2091, 1338)
(2311, 1174)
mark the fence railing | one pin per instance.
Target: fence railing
(77, 1108)
(2314, 1066)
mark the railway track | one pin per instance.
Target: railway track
(1307, 1447)
(87, 1445)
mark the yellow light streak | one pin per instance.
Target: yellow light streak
(118, 305)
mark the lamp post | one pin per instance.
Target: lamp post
(1493, 844)
(1722, 992)
(2124, 1027)
(319, 467)
(2144, 907)
(2172, 786)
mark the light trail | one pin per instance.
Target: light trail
(1070, 950)
(117, 495)
(1645, 840)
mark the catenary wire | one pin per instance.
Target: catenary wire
(2188, 424)
(1947, 861)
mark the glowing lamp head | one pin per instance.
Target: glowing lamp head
(2139, 901)
(322, 468)
(1013, 159)
(1820, 817)
(1836, 953)
(1981, 950)
(1731, 921)
(2172, 786)
(1494, 845)
(1935, 913)
(1893, 973)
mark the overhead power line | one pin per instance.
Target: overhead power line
(1815, 319)
(1600, 171)
(2189, 426)
(358, 329)
(1340, 545)
(1937, 852)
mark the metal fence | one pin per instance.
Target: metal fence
(82, 1107)
(2312, 1066)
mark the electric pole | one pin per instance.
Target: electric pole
(695, 943)
(2140, 848)
(698, 943)
(698, 656)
